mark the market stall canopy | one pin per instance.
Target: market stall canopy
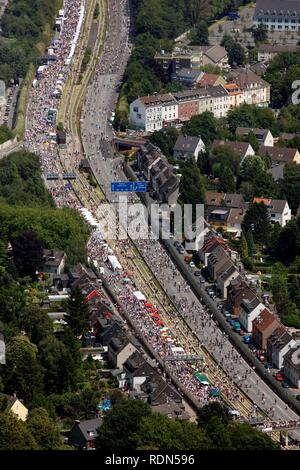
(202, 378)
(138, 295)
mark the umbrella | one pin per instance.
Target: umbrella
(152, 309)
(155, 315)
(159, 322)
(148, 305)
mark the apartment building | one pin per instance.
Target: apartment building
(278, 15)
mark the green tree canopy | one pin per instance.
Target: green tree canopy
(119, 423)
(257, 220)
(78, 312)
(14, 434)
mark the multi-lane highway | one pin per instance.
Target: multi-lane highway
(97, 138)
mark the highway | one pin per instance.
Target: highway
(97, 138)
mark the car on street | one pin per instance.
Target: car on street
(247, 339)
(285, 385)
(181, 251)
(177, 244)
(187, 258)
(192, 264)
(298, 397)
(197, 273)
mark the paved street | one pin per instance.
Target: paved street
(97, 137)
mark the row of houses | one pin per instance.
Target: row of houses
(155, 168)
(137, 375)
(246, 305)
(227, 211)
(152, 113)
(278, 15)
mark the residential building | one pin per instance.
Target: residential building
(208, 246)
(255, 90)
(137, 371)
(228, 218)
(163, 182)
(120, 348)
(291, 366)
(216, 259)
(225, 275)
(249, 310)
(277, 172)
(152, 113)
(224, 199)
(279, 155)
(235, 93)
(278, 209)
(83, 434)
(188, 147)
(263, 136)
(172, 62)
(208, 80)
(214, 55)
(237, 291)
(263, 327)
(278, 344)
(187, 77)
(278, 15)
(16, 406)
(267, 52)
(288, 135)
(54, 261)
(242, 149)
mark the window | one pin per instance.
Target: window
(136, 109)
(139, 116)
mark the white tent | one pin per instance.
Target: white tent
(138, 295)
(114, 263)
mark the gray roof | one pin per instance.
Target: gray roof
(216, 53)
(277, 172)
(263, 6)
(247, 130)
(2, 89)
(277, 48)
(280, 154)
(189, 73)
(288, 357)
(278, 205)
(186, 143)
(90, 426)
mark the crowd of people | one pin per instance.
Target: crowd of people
(42, 99)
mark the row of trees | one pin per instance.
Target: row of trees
(131, 425)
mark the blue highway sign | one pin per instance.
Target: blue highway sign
(128, 186)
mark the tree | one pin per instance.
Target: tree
(207, 412)
(45, 431)
(250, 243)
(288, 246)
(59, 366)
(245, 437)
(162, 433)
(36, 323)
(191, 185)
(257, 220)
(227, 181)
(243, 247)
(27, 253)
(236, 53)
(260, 33)
(227, 157)
(199, 9)
(23, 374)
(290, 185)
(119, 423)
(203, 125)
(165, 139)
(14, 434)
(78, 312)
(200, 34)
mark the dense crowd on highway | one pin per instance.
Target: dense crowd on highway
(195, 313)
(38, 128)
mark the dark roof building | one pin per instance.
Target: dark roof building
(83, 434)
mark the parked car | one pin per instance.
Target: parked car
(285, 385)
(177, 244)
(197, 273)
(298, 397)
(279, 377)
(247, 339)
(192, 264)
(181, 251)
